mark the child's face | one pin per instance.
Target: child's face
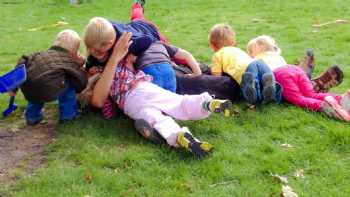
(101, 53)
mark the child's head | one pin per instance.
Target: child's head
(99, 37)
(262, 44)
(221, 35)
(69, 40)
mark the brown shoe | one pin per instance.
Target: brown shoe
(308, 62)
(329, 79)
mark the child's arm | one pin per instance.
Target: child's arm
(191, 61)
(101, 90)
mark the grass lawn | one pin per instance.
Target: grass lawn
(95, 157)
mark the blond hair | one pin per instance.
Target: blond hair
(68, 39)
(222, 35)
(264, 43)
(98, 32)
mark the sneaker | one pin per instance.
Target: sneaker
(269, 89)
(329, 79)
(34, 122)
(197, 148)
(148, 132)
(308, 62)
(248, 88)
(345, 101)
(219, 106)
(333, 109)
(65, 121)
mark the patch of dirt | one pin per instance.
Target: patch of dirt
(22, 149)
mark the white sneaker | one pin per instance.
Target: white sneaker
(345, 101)
(333, 109)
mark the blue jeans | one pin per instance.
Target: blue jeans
(67, 103)
(163, 75)
(258, 69)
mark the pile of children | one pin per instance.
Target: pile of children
(131, 66)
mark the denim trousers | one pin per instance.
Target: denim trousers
(258, 69)
(163, 75)
(67, 103)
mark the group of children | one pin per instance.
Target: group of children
(135, 68)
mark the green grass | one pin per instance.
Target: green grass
(107, 158)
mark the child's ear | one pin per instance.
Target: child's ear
(213, 47)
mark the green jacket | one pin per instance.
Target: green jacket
(48, 73)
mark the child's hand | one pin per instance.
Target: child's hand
(120, 49)
(11, 93)
(80, 59)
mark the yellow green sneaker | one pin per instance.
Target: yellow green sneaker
(197, 148)
(220, 106)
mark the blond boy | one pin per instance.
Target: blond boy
(101, 35)
(54, 74)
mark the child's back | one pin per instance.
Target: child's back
(232, 61)
(47, 72)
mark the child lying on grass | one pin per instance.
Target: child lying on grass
(140, 99)
(297, 87)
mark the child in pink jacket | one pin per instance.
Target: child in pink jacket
(297, 87)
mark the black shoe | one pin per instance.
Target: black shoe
(35, 122)
(197, 148)
(76, 117)
(148, 132)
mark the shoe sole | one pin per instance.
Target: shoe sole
(345, 101)
(224, 108)
(250, 92)
(339, 73)
(269, 89)
(198, 149)
(339, 112)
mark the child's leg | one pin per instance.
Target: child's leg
(169, 130)
(188, 107)
(266, 81)
(332, 77)
(250, 84)
(163, 124)
(223, 87)
(163, 75)
(33, 113)
(306, 88)
(68, 104)
(137, 14)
